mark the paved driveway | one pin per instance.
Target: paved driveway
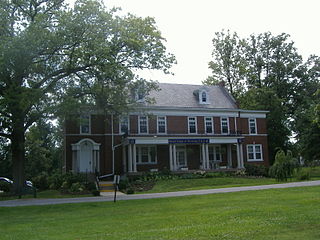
(108, 198)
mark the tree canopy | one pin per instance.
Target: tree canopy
(265, 71)
(51, 53)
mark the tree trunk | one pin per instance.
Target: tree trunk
(18, 156)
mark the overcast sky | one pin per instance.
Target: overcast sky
(189, 27)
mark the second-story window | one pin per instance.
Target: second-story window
(124, 125)
(161, 124)
(208, 124)
(85, 124)
(252, 126)
(143, 124)
(192, 125)
(224, 125)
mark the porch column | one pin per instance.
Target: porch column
(207, 156)
(134, 153)
(170, 158)
(238, 156)
(241, 156)
(129, 158)
(229, 153)
(124, 159)
(204, 163)
(174, 158)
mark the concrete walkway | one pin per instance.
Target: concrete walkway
(121, 196)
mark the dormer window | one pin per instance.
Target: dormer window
(203, 97)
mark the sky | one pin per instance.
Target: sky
(189, 26)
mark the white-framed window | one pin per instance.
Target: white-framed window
(254, 152)
(146, 154)
(224, 125)
(208, 123)
(85, 123)
(124, 125)
(203, 97)
(192, 125)
(143, 124)
(252, 126)
(161, 124)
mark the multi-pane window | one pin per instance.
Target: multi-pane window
(143, 124)
(124, 124)
(252, 126)
(224, 125)
(254, 152)
(146, 154)
(204, 97)
(161, 124)
(85, 124)
(208, 124)
(192, 122)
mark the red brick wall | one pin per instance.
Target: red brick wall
(177, 125)
(152, 121)
(263, 140)
(200, 125)
(133, 124)
(217, 125)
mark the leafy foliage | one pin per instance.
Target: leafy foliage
(284, 166)
(52, 55)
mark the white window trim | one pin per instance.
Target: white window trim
(147, 120)
(205, 125)
(165, 125)
(255, 125)
(254, 153)
(227, 125)
(139, 162)
(89, 124)
(200, 97)
(120, 118)
(196, 125)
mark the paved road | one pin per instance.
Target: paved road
(109, 197)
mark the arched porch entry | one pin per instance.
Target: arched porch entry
(85, 156)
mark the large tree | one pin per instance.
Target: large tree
(228, 64)
(272, 76)
(47, 49)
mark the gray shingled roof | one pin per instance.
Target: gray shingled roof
(182, 95)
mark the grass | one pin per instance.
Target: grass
(44, 194)
(284, 214)
(207, 183)
(220, 182)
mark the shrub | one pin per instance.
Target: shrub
(95, 193)
(283, 166)
(77, 188)
(303, 174)
(123, 184)
(41, 181)
(256, 170)
(130, 191)
(4, 186)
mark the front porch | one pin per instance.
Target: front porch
(182, 155)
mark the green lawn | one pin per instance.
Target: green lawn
(207, 183)
(284, 214)
(220, 182)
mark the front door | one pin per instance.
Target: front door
(86, 157)
(181, 156)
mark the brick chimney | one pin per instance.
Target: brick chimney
(222, 83)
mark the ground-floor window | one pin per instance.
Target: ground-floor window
(215, 153)
(254, 152)
(146, 154)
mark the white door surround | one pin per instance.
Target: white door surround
(85, 156)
